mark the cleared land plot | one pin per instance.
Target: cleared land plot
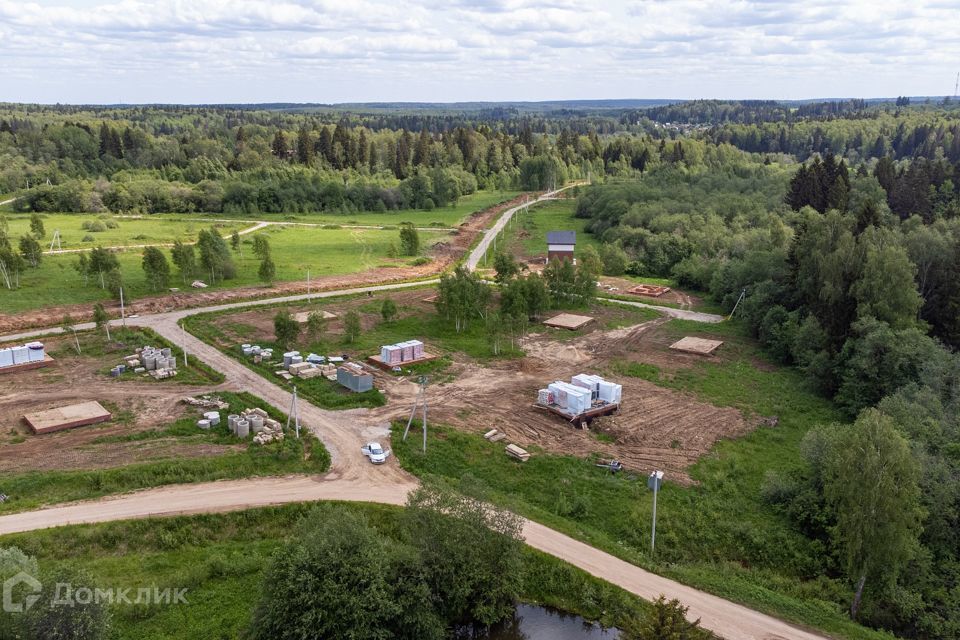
(656, 428)
(473, 390)
(151, 439)
(66, 417)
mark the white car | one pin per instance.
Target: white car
(376, 453)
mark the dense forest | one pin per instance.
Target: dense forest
(846, 266)
(154, 159)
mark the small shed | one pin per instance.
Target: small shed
(561, 244)
(353, 377)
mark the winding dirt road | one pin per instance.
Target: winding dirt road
(353, 478)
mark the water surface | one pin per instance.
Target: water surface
(532, 622)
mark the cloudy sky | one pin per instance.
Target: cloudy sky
(201, 51)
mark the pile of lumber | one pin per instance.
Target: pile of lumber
(495, 436)
(516, 452)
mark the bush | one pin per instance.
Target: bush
(93, 226)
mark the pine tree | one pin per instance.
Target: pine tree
(279, 145)
(304, 147)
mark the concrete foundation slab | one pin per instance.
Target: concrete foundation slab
(68, 417)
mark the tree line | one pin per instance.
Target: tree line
(848, 277)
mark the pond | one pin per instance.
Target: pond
(539, 623)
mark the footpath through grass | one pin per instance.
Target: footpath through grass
(242, 459)
(717, 535)
(221, 559)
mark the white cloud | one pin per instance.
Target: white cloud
(445, 50)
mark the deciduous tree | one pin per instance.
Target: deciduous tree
(871, 484)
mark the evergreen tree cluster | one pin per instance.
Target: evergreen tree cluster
(820, 184)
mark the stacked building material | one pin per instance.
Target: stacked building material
(23, 354)
(583, 393)
(610, 392)
(352, 376)
(516, 452)
(495, 435)
(296, 367)
(159, 363)
(589, 382)
(393, 354)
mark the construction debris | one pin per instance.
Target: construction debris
(699, 346)
(304, 315)
(206, 402)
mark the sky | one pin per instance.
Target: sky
(329, 51)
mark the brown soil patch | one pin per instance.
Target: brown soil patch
(444, 254)
(657, 428)
(621, 286)
(136, 406)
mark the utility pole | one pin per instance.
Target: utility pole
(183, 345)
(653, 482)
(123, 314)
(294, 413)
(421, 395)
(743, 294)
(308, 284)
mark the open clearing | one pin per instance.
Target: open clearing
(656, 427)
(336, 259)
(128, 231)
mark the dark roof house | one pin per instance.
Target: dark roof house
(561, 237)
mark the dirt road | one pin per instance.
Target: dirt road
(725, 618)
(680, 314)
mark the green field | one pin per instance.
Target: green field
(323, 252)
(717, 535)
(32, 490)
(129, 231)
(221, 560)
(446, 216)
